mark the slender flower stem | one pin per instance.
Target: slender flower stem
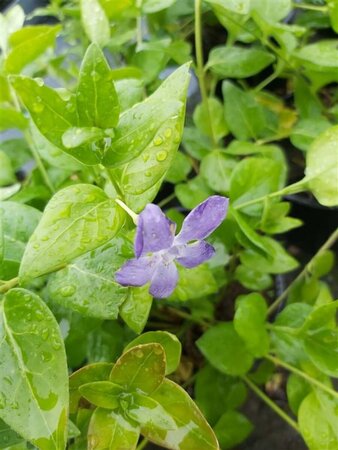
(270, 403)
(310, 7)
(303, 375)
(291, 189)
(112, 180)
(200, 66)
(166, 200)
(142, 444)
(9, 285)
(327, 244)
(131, 213)
(39, 163)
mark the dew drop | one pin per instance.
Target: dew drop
(67, 291)
(147, 173)
(168, 132)
(39, 82)
(145, 157)
(139, 354)
(158, 140)
(45, 334)
(46, 356)
(56, 345)
(161, 156)
(38, 107)
(14, 405)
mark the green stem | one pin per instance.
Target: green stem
(113, 181)
(189, 317)
(39, 162)
(303, 375)
(131, 213)
(142, 444)
(327, 244)
(9, 285)
(291, 189)
(166, 200)
(271, 404)
(200, 66)
(139, 37)
(310, 7)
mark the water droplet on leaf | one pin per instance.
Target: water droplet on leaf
(161, 156)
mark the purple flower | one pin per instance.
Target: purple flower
(156, 247)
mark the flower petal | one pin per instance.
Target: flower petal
(164, 280)
(137, 272)
(154, 231)
(194, 254)
(203, 219)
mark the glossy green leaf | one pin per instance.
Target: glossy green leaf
(171, 346)
(129, 92)
(322, 348)
(215, 110)
(245, 117)
(317, 430)
(249, 322)
(194, 283)
(320, 56)
(34, 393)
(322, 167)
(8, 437)
(95, 22)
(249, 236)
(96, 97)
(322, 263)
(87, 284)
(252, 178)
(7, 175)
(136, 308)
(271, 12)
(140, 368)
(87, 374)
(297, 389)
(277, 261)
(110, 431)
(192, 432)
(101, 393)
(52, 115)
(149, 414)
(232, 429)
(236, 6)
(10, 118)
(76, 136)
(77, 219)
(216, 393)
(333, 12)
(193, 192)
(216, 169)
(225, 350)
(148, 136)
(180, 168)
(153, 6)
(252, 279)
(238, 62)
(18, 223)
(28, 43)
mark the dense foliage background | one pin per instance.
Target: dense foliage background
(109, 105)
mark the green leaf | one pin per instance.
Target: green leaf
(52, 115)
(254, 239)
(96, 97)
(18, 223)
(320, 56)
(245, 117)
(129, 92)
(238, 62)
(232, 429)
(194, 283)
(140, 368)
(215, 110)
(236, 6)
(317, 431)
(297, 389)
(306, 130)
(322, 348)
(10, 118)
(192, 432)
(249, 322)
(193, 192)
(216, 393)
(253, 178)
(101, 393)
(136, 308)
(75, 136)
(87, 374)
(110, 431)
(87, 284)
(252, 279)
(34, 392)
(8, 437)
(148, 136)
(225, 350)
(216, 169)
(322, 263)
(77, 219)
(95, 22)
(180, 168)
(277, 261)
(171, 346)
(153, 6)
(150, 415)
(7, 175)
(322, 167)
(333, 12)
(271, 12)
(28, 43)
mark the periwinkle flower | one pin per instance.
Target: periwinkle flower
(157, 248)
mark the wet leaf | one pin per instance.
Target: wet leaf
(136, 308)
(34, 393)
(101, 393)
(95, 22)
